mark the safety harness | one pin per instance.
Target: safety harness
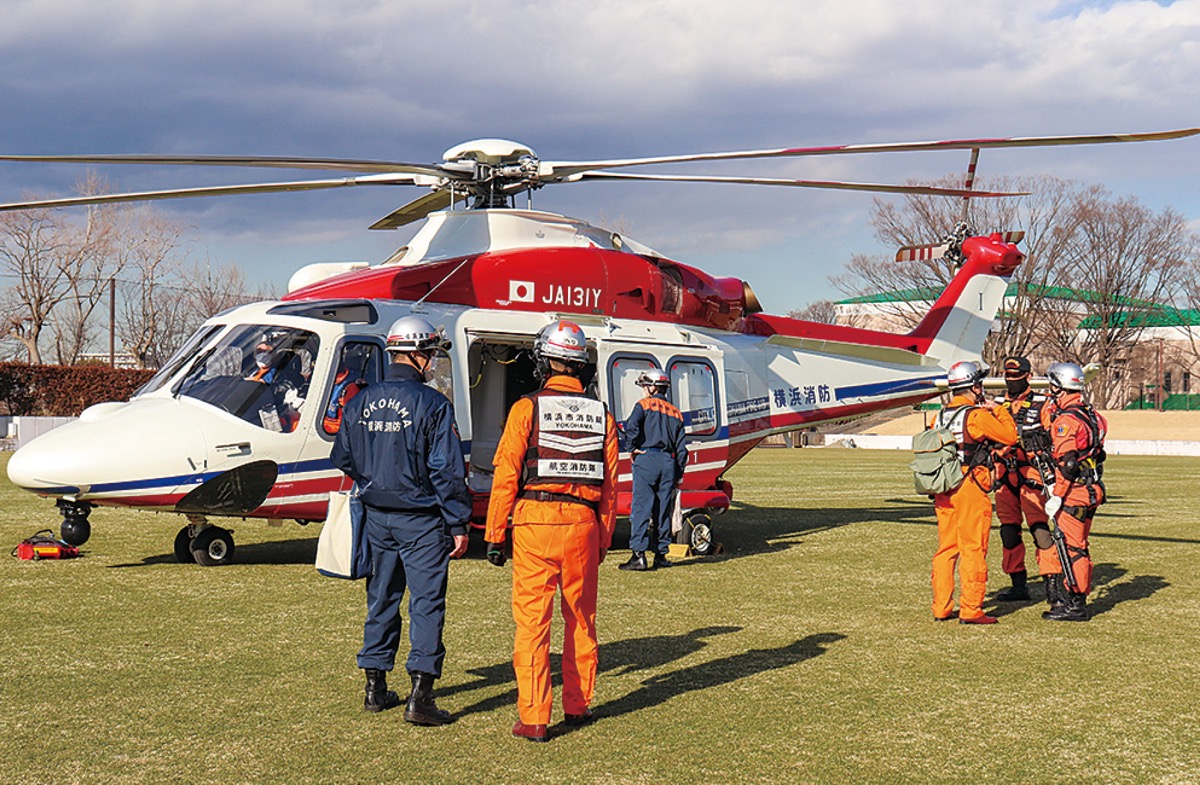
(970, 453)
(1087, 466)
(1031, 437)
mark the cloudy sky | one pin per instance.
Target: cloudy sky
(405, 80)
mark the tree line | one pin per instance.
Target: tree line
(1099, 271)
(68, 277)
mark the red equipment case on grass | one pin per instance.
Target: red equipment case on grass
(44, 545)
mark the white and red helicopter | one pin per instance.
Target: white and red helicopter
(239, 423)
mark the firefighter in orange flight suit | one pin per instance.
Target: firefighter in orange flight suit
(964, 515)
(556, 473)
(1077, 433)
(1019, 484)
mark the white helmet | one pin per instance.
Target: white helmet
(964, 374)
(414, 334)
(653, 377)
(561, 340)
(1065, 376)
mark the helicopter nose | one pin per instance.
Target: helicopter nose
(109, 448)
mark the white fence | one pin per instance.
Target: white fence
(22, 430)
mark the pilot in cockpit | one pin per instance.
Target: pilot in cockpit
(280, 365)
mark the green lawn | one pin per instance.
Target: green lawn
(806, 653)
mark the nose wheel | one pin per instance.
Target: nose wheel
(75, 528)
(204, 544)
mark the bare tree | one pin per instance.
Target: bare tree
(48, 257)
(210, 291)
(93, 262)
(823, 311)
(152, 311)
(1047, 217)
(1190, 317)
(1106, 263)
(1128, 264)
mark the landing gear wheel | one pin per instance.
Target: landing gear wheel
(75, 528)
(183, 547)
(697, 533)
(76, 531)
(213, 547)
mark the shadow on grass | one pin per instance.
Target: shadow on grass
(1110, 588)
(661, 688)
(748, 530)
(636, 654)
(618, 657)
(298, 551)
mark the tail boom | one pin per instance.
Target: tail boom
(959, 321)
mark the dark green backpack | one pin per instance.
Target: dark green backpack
(937, 462)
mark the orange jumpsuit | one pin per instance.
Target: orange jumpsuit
(964, 518)
(1016, 498)
(555, 544)
(1067, 434)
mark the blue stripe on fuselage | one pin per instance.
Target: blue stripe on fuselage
(888, 388)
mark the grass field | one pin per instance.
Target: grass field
(805, 654)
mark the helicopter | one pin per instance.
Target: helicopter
(240, 422)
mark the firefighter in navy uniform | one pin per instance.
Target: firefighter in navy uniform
(1019, 491)
(654, 434)
(556, 474)
(398, 441)
(1077, 433)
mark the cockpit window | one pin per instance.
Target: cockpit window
(360, 364)
(260, 373)
(185, 353)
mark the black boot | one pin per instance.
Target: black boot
(661, 560)
(1073, 609)
(1018, 592)
(421, 710)
(1055, 595)
(379, 697)
(637, 562)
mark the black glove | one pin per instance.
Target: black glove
(495, 553)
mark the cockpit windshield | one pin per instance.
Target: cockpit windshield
(260, 373)
(185, 353)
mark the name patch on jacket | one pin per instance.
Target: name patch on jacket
(568, 440)
(384, 410)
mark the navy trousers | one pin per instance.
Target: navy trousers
(653, 493)
(408, 550)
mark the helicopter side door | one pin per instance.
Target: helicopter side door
(696, 376)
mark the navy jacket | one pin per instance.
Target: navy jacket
(655, 424)
(399, 442)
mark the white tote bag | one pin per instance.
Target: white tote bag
(677, 513)
(342, 549)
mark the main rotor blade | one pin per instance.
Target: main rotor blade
(928, 190)
(216, 190)
(264, 161)
(565, 169)
(418, 209)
